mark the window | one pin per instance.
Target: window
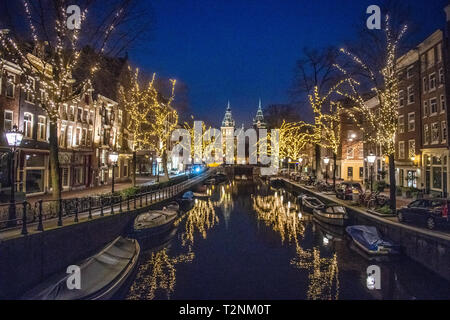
(69, 136)
(410, 94)
(62, 136)
(83, 137)
(30, 90)
(361, 172)
(72, 113)
(91, 118)
(27, 125)
(441, 76)
(401, 124)
(411, 121)
(444, 131)
(432, 78)
(443, 104)
(425, 85)
(80, 115)
(435, 133)
(401, 98)
(42, 129)
(77, 137)
(437, 177)
(426, 133)
(65, 177)
(409, 72)
(8, 120)
(89, 138)
(350, 173)
(86, 115)
(439, 52)
(401, 150)
(433, 106)
(350, 153)
(425, 109)
(10, 85)
(412, 148)
(430, 58)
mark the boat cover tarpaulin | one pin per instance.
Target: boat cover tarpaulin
(97, 273)
(368, 237)
(188, 195)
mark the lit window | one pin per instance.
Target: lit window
(42, 129)
(69, 136)
(401, 124)
(401, 99)
(412, 148)
(411, 121)
(10, 85)
(28, 125)
(435, 133)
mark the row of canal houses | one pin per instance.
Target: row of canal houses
(89, 128)
(422, 143)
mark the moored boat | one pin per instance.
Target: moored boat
(368, 239)
(101, 276)
(186, 201)
(331, 214)
(154, 222)
(308, 204)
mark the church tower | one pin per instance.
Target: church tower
(258, 121)
(228, 122)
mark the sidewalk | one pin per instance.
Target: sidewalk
(105, 189)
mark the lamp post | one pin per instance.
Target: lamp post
(14, 138)
(288, 165)
(113, 157)
(300, 162)
(371, 159)
(326, 160)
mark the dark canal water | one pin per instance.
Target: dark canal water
(248, 241)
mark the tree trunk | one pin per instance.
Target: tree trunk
(164, 161)
(392, 184)
(55, 172)
(133, 169)
(334, 170)
(317, 153)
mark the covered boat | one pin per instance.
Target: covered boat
(173, 206)
(188, 195)
(101, 276)
(370, 241)
(331, 214)
(308, 204)
(154, 222)
(186, 202)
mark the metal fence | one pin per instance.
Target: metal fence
(86, 207)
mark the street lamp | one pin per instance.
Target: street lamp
(371, 159)
(113, 157)
(300, 161)
(14, 138)
(326, 160)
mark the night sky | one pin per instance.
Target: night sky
(240, 50)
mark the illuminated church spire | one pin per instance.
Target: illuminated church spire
(258, 121)
(228, 119)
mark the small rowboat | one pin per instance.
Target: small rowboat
(369, 240)
(332, 214)
(101, 276)
(154, 222)
(308, 204)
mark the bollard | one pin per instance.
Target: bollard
(40, 226)
(120, 204)
(60, 213)
(90, 208)
(76, 210)
(24, 219)
(101, 206)
(112, 204)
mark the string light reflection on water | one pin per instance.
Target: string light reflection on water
(244, 240)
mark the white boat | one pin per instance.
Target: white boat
(332, 214)
(154, 222)
(101, 276)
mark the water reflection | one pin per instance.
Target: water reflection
(200, 219)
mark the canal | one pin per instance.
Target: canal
(249, 241)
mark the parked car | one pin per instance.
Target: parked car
(429, 212)
(345, 190)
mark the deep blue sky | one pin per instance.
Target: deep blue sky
(245, 49)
